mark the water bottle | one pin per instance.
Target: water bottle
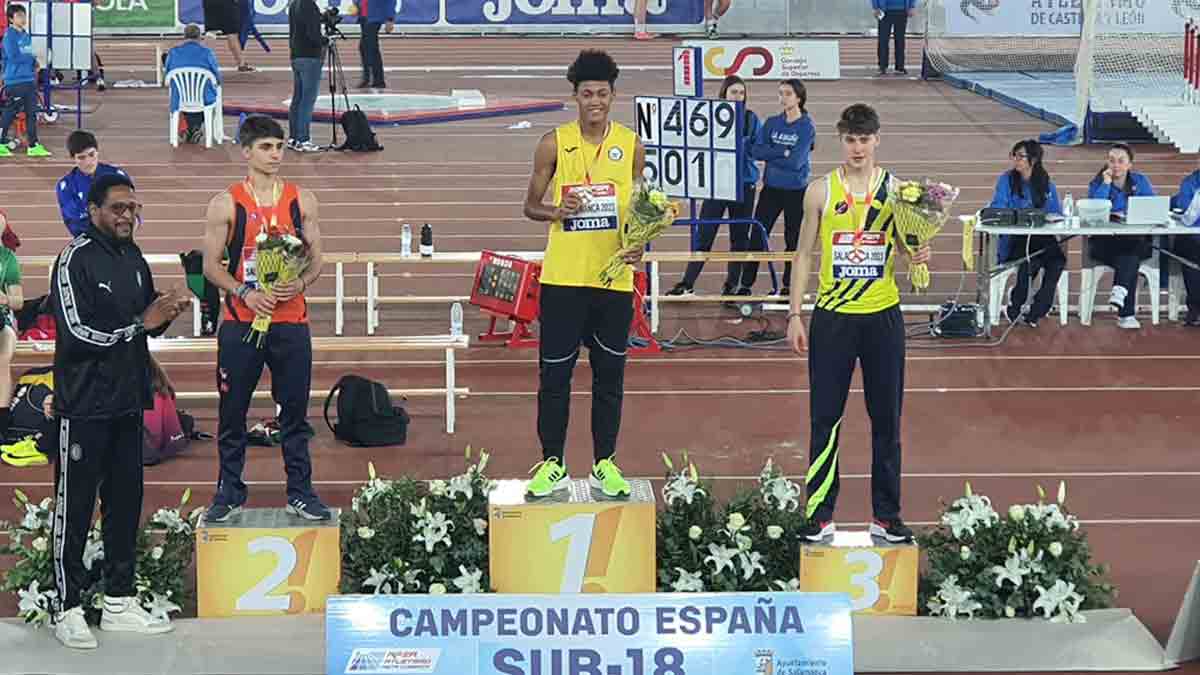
(456, 318)
(406, 241)
(426, 241)
(1068, 208)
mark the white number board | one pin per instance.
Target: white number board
(693, 145)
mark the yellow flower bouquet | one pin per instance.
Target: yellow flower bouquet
(279, 259)
(920, 209)
(651, 213)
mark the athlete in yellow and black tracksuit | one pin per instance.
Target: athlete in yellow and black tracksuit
(856, 318)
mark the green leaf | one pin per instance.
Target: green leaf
(667, 461)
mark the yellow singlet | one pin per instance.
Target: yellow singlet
(857, 251)
(581, 246)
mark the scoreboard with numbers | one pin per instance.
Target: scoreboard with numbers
(694, 146)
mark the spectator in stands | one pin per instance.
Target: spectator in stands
(713, 14)
(308, 53)
(20, 81)
(1187, 201)
(1117, 181)
(74, 187)
(12, 298)
(892, 15)
(371, 15)
(639, 21)
(733, 88)
(1028, 186)
(224, 17)
(785, 142)
(193, 53)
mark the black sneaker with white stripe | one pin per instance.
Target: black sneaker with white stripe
(310, 508)
(818, 531)
(220, 512)
(893, 531)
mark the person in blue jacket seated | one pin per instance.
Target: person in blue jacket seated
(785, 142)
(1027, 186)
(1187, 202)
(1117, 182)
(73, 188)
(193, 53)
(733, 88)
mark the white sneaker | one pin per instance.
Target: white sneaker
(125, 614)
(1116, 299)
(1129, 323)
(72, 630)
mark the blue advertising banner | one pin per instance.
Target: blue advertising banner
(635, 634)
(274, 12)
(575, 12)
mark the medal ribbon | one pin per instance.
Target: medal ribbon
(264, 225)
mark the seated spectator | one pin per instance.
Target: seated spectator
(1028, 186)
(1187, 201)
(1118, 182)
(12, 297)
(193, 53)
(73, 188)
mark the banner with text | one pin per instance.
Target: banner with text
(770, 59)
(634, 634)
(143, 14)
(574, 12)
(274, 12)
(1062, 17)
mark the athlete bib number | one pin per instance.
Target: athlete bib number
(599, 210)
(250, 265)
(864, 259)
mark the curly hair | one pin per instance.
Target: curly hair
(593, 65)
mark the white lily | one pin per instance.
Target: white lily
(460, 484)
(34, 604)
(751, 562)
(1016, 512)
(1060, 603)
(792, 584)
(437, 488)
(687, 582)
(721, 557)
(156, 553)
(160, 607)
(171, 520)
(1014, 570)
(1055, 548)
(382, 582)
(694, 533)
(469, 581)
(437, 589)
(40, 545)
(774, 531)
(418, 509)
(953, 600)
(681, 486)
(480, 526)
(365, 532)
(33, 520)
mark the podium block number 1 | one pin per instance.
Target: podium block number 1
(589, 548)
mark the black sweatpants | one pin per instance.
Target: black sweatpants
(599, 319)
(771, 203)
(287, 351)
(1188, 247)
(1124, 255)
(1051, 263)
(104, 455)
(836, 341)
(739, 235)
(897, 20)
(368, 52)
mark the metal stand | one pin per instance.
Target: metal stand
(333, 60)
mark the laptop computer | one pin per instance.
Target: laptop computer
(1148, 211)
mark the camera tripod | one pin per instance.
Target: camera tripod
(337, 75)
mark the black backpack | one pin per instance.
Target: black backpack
(366, 416)
(359, 136)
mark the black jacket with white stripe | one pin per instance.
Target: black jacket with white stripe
(100, 287)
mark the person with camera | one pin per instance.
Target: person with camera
(372, 14)
(307, 46)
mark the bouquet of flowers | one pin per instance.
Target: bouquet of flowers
(651, 212)
(279, 259)
(920, 209)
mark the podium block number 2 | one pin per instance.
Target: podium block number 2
(875, 576)
(590, 539)
(292, 560)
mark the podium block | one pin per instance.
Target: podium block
(574, 541)
(881, 579)
(265, 562)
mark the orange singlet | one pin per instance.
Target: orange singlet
(249, 220)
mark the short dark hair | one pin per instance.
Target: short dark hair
(257, 127)
(100, 187)
(859, 119)
(81, 140)
(14, 10)
(593, 65)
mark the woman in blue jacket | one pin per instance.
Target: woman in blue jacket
(1027, 186)
(733, 88)
(1117, 181)
(1187, 202)
(785, 142)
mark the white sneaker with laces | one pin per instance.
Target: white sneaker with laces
(1129, 323)
(126, 615)
(308, 146)
(72, 630)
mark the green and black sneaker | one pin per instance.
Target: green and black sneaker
(548, 475)
(607, 478)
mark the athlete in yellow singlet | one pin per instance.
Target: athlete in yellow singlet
(591, 165)
(856, 318)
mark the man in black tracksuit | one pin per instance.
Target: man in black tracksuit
(105, 305)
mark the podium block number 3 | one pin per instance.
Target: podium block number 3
(292, 560)
(878, 571)
(590, 539)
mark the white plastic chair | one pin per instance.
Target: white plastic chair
(1000, 282)
(1089, 282)
(1175, 295)
(190, 83)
